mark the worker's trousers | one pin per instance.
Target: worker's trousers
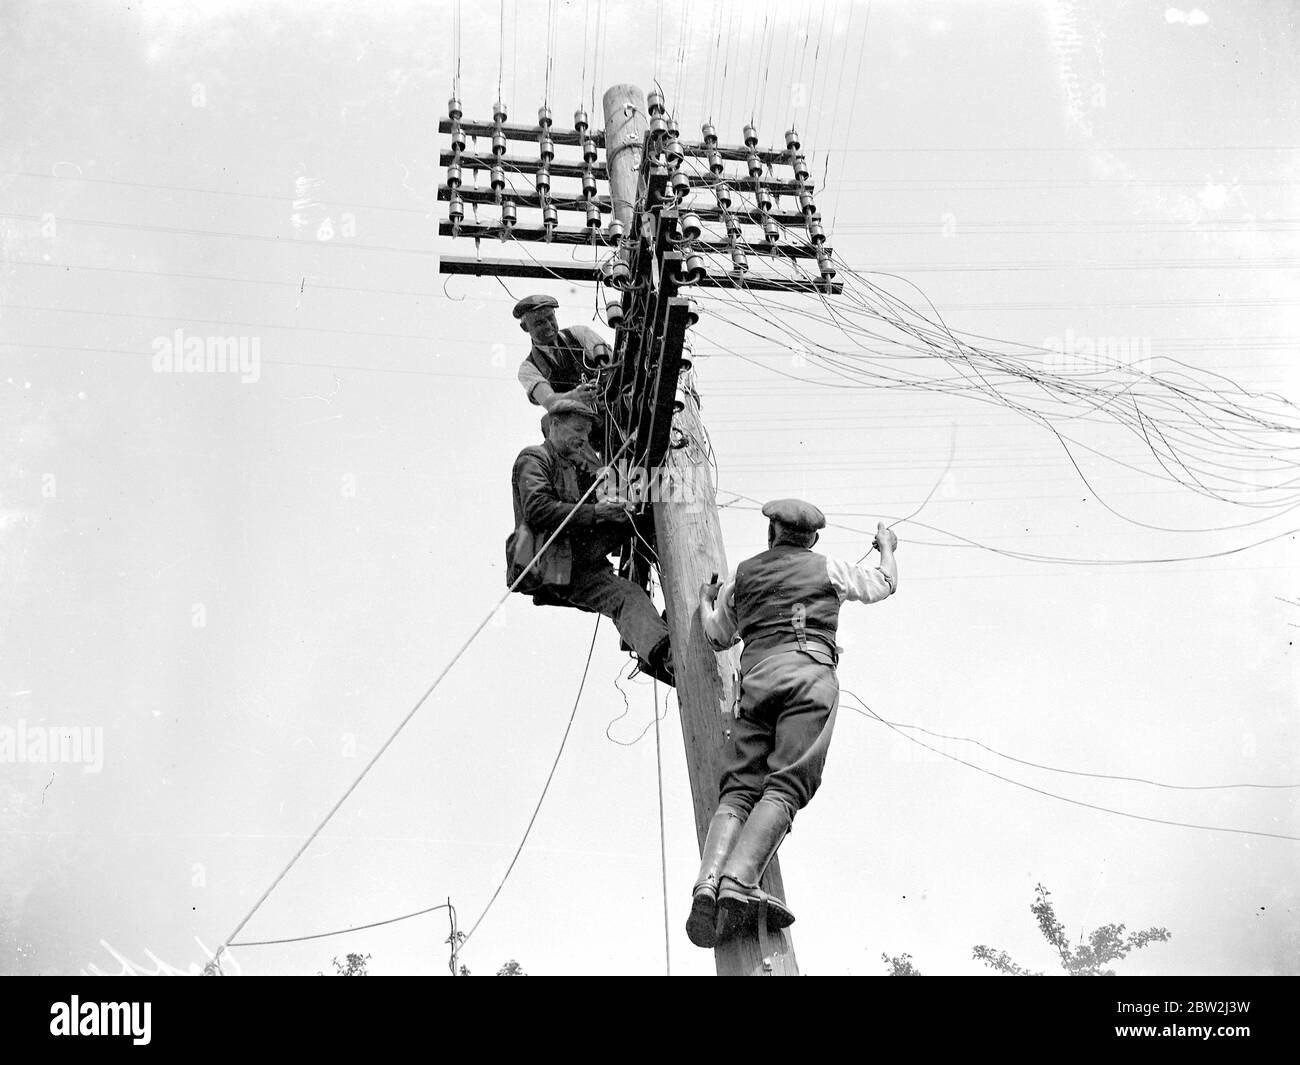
(598, 590)
(780, 738)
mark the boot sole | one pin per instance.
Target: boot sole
(701, 925)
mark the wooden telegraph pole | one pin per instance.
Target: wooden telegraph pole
(659, 247)
(688, 540)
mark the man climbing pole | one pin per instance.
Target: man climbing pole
(560, 359)
(785, 604)
(548, 480)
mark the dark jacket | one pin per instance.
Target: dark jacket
(546, 489)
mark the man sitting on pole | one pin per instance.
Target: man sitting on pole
(548, 481)
(785, 605)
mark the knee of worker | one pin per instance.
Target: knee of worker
(789, 799)
(740, 800)
(638, 620)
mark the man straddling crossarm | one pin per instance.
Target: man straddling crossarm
(785, 605)
(560, 358)
(548, 480)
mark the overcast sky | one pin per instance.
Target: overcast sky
(245, 584)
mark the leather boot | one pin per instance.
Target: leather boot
(724, 830)
(739, 896)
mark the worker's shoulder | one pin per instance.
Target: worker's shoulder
(533, 453)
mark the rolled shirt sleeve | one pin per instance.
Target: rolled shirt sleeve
(530, 377)
(719, 623)
(858, 583)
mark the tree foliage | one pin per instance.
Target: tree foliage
(355, 966)
(511, 968)
(900, 965)
(1090, 957)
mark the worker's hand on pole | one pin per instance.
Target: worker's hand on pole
(885, 538)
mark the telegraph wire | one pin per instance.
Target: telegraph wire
(1081, 773)
(545, 787)
(338, 932)
(853, 107)
(868, 712)
(178, 231)
(1025, 556)
(501, 49)
(410, 714)
(267, 362)
(952, 453)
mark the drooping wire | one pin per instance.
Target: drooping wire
(952, 453)
(406, 720)
(962, 355)
(337, 932)
(868, 712)
(1058, 560)
(545, 787)
(1093, 776)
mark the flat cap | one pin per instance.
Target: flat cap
(795, 514)
(534, 303)
(570, 406)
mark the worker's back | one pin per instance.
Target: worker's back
(782, 595)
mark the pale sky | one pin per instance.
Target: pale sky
(245, 586)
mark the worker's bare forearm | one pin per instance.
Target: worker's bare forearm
(542, 394)
(888, 566)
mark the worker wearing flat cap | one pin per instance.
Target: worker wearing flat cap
(548, 482)
(785, 605)
(559, 358)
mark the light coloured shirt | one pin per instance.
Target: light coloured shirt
(853, 584)
(530, 376)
